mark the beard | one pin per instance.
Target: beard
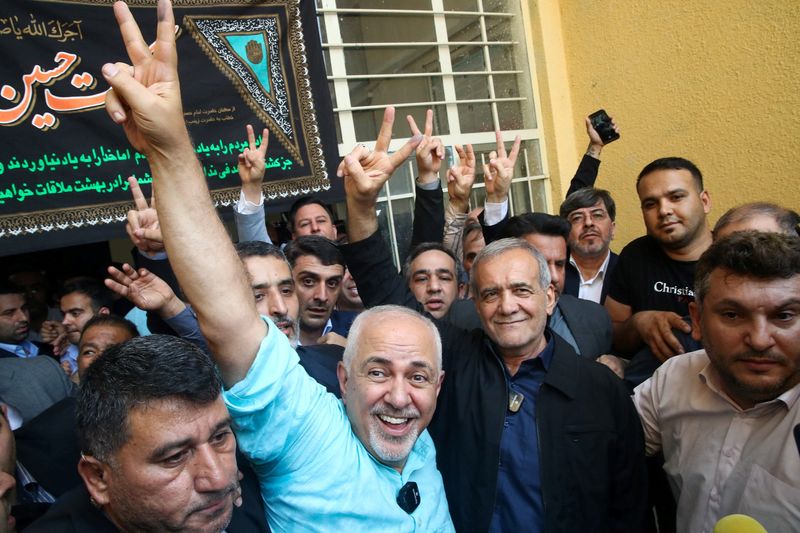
(391, 449)
(753, 389)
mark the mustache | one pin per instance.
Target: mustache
(387, 410)
(760, 356)
(283, 321)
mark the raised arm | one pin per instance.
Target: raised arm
(428, 205)
(460, 179)
(367, 256)
(586, 175)
(145, 290)
(497, 175)
(152, 294)
(145, 99)
(248, 212)
(365, 172)
(143, 227)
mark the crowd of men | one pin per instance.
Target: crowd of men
(513, 374)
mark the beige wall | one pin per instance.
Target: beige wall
(716, 81)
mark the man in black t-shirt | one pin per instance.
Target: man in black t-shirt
(652, 286)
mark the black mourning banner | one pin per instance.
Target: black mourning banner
(64, 163)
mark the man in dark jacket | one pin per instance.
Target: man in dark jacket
(529, 435)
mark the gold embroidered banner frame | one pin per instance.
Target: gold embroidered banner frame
(64, 164)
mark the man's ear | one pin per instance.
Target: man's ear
(341, 373)
(551, 300)
(695, 311)
(95, 474)
(104, 311)
(705, 198)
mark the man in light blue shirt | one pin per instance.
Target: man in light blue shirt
(323, 464)
(367, 465)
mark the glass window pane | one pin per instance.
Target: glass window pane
(402, 179)
(539, 195)
(531, 158)
(368, 123)
(502, 57)
(460, 5)
(500, 6)
(467, 59)
(475, 117)
(384, 4)
(515, 115)
(471, 87)
(498, 29)
(333, 93)
(395, 90)
(383, 220)
(462, 28)
(391, 60)
(326, 56)
(386, 28)
(520, 197)
(323, 30)
(338, 129)
(477, 197)
(505, 85)
(403, 213)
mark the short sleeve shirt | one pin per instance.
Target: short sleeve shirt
(647, 279)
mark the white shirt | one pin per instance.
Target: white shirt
(591, 289)
(719, 458)
(246, 207)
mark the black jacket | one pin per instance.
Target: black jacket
(591, 445)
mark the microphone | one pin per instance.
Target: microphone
(797, 437)
(738, 523)
(408, 499)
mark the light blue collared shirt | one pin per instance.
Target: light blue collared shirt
(314, 472)
(560, 326)
(25, 349)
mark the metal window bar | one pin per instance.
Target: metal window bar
(434, 11)
(439, 102)
(398, 75)
(409, 44)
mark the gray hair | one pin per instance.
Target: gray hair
(354, 336)
(502, 246)
(786, 219)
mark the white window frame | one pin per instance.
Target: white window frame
(328, 12)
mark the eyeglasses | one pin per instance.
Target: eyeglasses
(598, 215)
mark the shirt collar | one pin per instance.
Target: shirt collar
(29, 348)
(327, 329)
(600, 273)
(711, 378)
(545, 357)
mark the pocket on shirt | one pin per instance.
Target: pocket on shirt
(771, 501)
